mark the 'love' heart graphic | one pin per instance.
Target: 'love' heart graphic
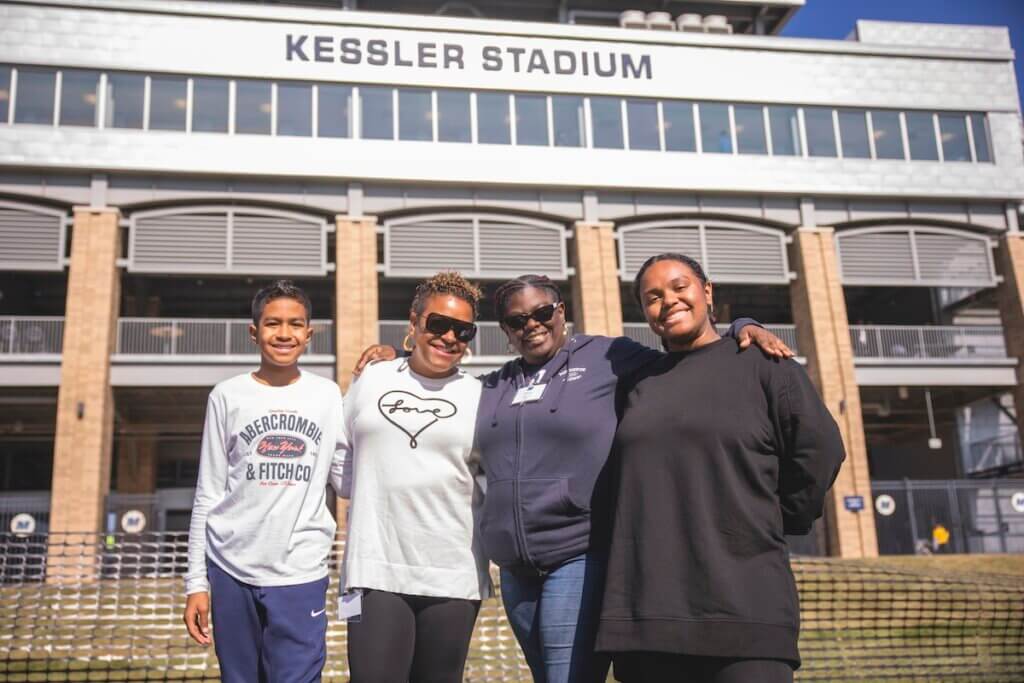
(413, 414)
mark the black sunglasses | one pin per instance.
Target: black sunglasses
(440, 324)
(542, 315)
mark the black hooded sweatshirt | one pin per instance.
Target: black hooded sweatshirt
(718, 454)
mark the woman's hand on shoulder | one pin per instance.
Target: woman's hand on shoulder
(771, 345)
(372, 354)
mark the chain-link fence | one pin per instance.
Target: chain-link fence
(949, 516)
(108, 608)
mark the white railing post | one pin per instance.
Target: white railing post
(920, 338)
(11, 344)
(227, 338)
(174, 337)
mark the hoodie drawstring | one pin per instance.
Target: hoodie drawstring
(561, 387)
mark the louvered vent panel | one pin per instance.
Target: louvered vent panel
(276, 244)
(745, 256)
(512, 249)
(182, 243)
(641, 244)
(952, 259)
(29, 240)
(876, 257)
(421, 249)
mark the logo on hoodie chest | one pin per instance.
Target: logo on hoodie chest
(574, 374)
(412, 414)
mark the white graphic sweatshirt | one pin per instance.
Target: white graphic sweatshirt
(260, 508)
(414, 488)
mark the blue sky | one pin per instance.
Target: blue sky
(836, 18)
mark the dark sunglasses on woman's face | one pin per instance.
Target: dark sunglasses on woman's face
(542, 315)
(440, 324)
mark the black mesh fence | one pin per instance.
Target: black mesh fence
(108, 608)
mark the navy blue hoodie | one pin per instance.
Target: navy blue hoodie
(544, 459)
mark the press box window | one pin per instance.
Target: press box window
(784, 124)
(531, 120)
(253, 107)
(821, 134)
(677, 120)
(567, 113)
(334, 111)
(167, 103)
(921, 136)
(715, 135)
(35, 96)
(606, 118)
(493, 123)
(453, 116)
(78, 96)
(5, 92)
(210, 105)
(642, 120)
(125, 95)
(377, 113)
(750, 138)
(295, 109)
(979, 129)
(885, 126)
(415, 115)
(953, 132)
(853, 132)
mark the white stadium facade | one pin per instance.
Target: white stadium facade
(161, 160)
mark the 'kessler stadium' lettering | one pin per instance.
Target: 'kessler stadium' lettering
(429, 55)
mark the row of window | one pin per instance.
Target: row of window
(74, 97)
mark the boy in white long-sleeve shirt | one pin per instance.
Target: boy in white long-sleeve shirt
(261, 532)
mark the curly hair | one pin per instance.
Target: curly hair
(280, 289)
(447, 282)
(505, 291)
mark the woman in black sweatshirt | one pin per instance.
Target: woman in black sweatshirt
(718, 454)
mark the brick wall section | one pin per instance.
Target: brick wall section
(1010, 261)
(819, 312)
(595, 288)
(85, 403)
(356, 306)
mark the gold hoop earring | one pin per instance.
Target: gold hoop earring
(466, 355)
(407, 344)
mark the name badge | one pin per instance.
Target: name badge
(528, 394)
(350, 606)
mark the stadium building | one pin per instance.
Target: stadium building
(161, 160)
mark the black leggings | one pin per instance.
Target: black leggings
(658, 667)
(411, 638)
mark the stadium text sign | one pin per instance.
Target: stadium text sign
(304, 47)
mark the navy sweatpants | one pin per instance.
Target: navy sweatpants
(268, 635)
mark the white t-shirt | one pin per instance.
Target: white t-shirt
(415, 494)
(260, 508)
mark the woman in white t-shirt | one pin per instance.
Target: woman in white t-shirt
(411, 475)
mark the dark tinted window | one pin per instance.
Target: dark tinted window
(921, 136)
(785, 127)
(35, 96)
(253, 107)
(377, 113)
(210, 105)
(821, 136)
(415, 115)
(167, 102)
(334, 111)
(885, 127)
(493, 124)
(680, 134)
(715, 136)
(531, 120)
(453, 121)
(750, 137)
(642, 120)
(295, 109)
(606, 119)
(78, 95)
(126, 95)
(853, 132)
(568, 120)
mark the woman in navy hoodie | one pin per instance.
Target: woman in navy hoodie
(544, 428)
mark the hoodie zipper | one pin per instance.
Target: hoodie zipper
(517, 516)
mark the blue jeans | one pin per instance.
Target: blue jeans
(555, 620)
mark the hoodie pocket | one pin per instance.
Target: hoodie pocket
(498, 525)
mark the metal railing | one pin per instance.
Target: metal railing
(189, 337)
(110, 609)
(35, 336)
(980, 516)
(642, 333)
(928, 342)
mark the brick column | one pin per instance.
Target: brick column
(1010, 293)
(595, 288)
(85, 402)
(356, 304)
(136, 466)
(355, 300)
(823, 335)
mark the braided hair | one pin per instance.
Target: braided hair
(505, 291)
(447, 282)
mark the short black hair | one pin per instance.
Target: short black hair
(280, 289)
(505, 291)
(692, 263)
(446, 282)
